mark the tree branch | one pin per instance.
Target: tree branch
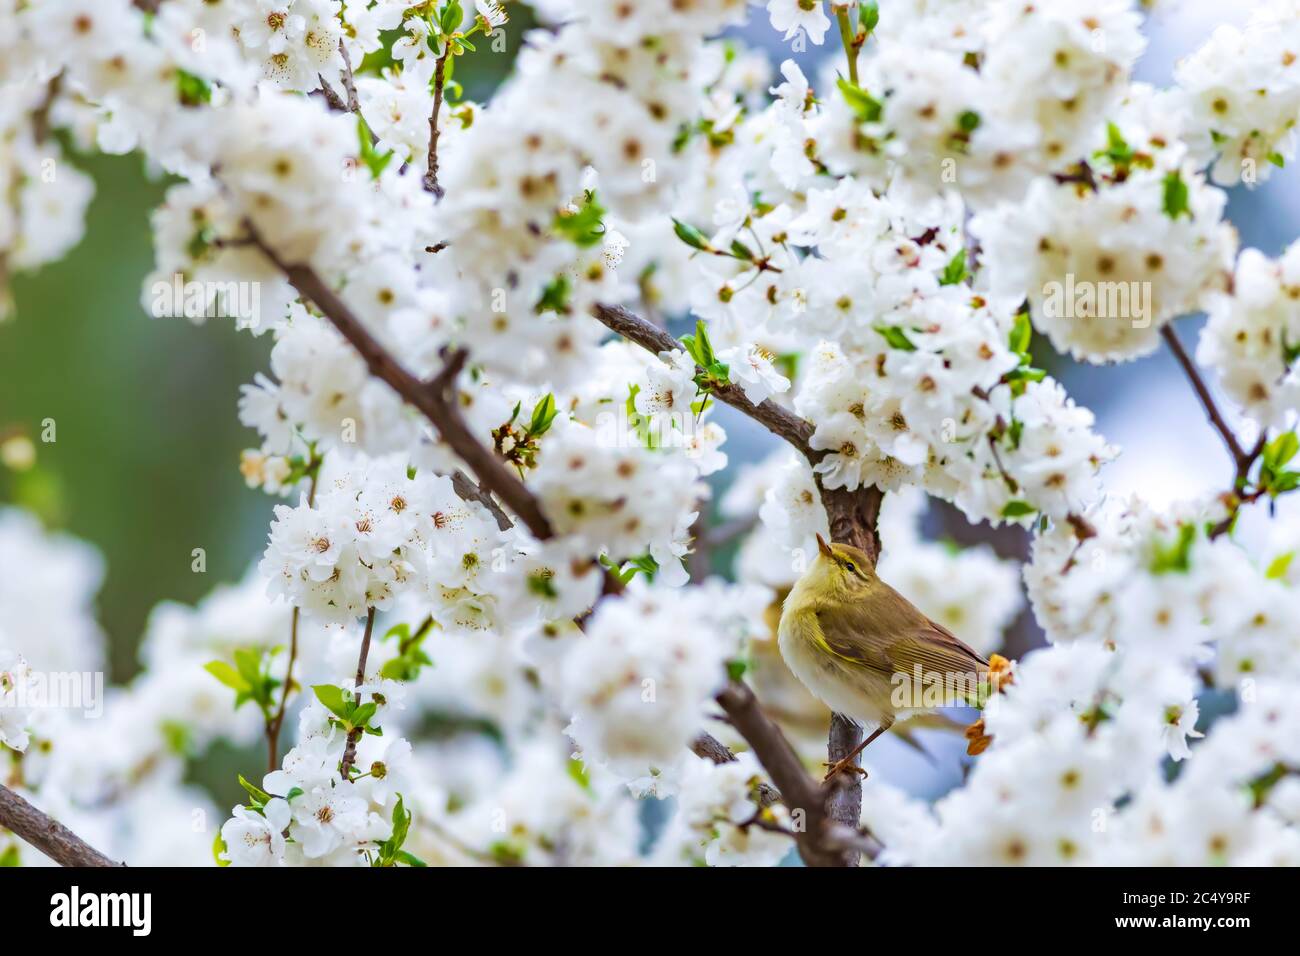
(852, 515)
(354, 735)
(822, 840)
(439, 81)
(432, 399)
(47, 834)
(1203, 393)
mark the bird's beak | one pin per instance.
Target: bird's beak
(824, 548)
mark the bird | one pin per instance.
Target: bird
(866, 651)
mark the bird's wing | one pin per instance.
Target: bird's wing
(934, 648)
(842, 635)
(895, 646)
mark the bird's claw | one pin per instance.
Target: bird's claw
(841, 767)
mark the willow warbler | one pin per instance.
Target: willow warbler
(866, 651)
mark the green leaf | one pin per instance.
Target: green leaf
(691, 236)
(868, 16)
(192, 90)
(741, 251)
(410, 859)
(227, 675)
(896, 337)
(1022, 333)
(1279, 566)
(10, 856)
(260, 796)
(1117, 150)
(1277, 160)
(333, 699)
(1281, 449)
(699, 347)
(361, 716)
(249, 664)
(736, 668)
(451, 17)
(955, 271)
(586, 227)
(374, 160)
(578, 773)
(1176, 196)
(1174, 557)
(865, 107)
(555, 297)
(1017, 509)
(544, 413)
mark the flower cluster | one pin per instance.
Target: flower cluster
(1242, 94)
(638, 680)
(374, 530)
(1253, 336)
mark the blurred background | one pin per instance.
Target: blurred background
(145, 461)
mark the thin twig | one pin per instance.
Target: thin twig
(354, 735)
(848, 36)
(349, 83)
(439, 81)
(1203, 393)
(47, 834)
(852, 514)
(273, 727)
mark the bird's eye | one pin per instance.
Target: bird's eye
(848, 566)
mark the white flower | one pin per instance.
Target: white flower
(327, 817)
(256, 839)
(791, 16)
(752, 370)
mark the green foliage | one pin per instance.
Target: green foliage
(555, 297)
(896, 337)
(411, 657)
(1017, 509)
(868, 16)
(586, 226)
(192, 90)
(1022, 334)
(1274, 477)
(348, 713)
(390, 851)
(250, 678)
(700, 349)
(956, 270)
(691, 236)
(370, 156)
(1176, 196)
(865, 107)
(643, 564)
(1174, 557)
(1279, 566)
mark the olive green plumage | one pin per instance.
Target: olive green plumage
(849, 637)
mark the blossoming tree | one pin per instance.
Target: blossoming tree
(485, 627)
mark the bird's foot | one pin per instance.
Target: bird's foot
(842, 766)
